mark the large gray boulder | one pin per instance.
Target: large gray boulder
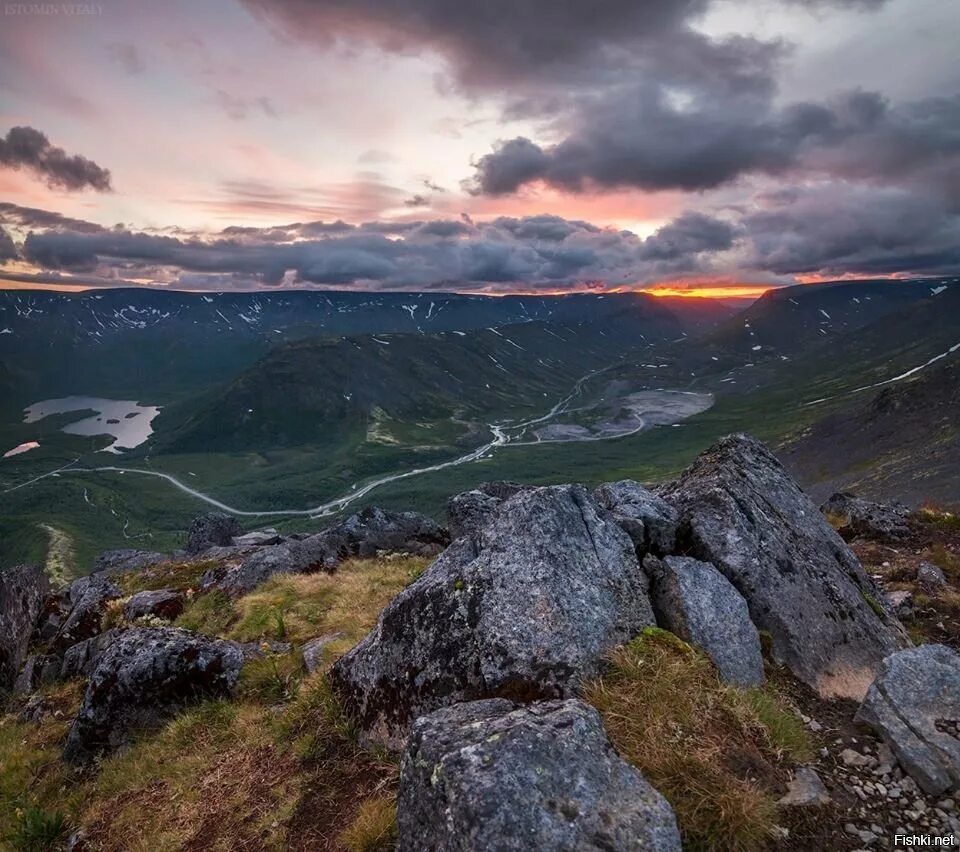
(22, 593)
(213, 529)
(470, 511)
(144, 677)
(494, 776)
(523, 610)
(828, 621)
(363, 535)
(693, 600)
(91, 596)
(914, 704)
(853, 517)
(649, 520)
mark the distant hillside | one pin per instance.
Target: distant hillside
(794, 319)
(901, 441)
(317, 391)
(162, 345)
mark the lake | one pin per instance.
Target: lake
(127, 421)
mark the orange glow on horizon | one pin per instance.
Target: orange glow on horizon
(716, 291)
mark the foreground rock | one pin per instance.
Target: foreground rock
(650, 521)
(741, 511)
(524, 610)
(806, 790)
(491, 775)
(693, 600)
(159, 603)
(90, 597)
(145, 676)
(914, 704)
(853, 517)
(470, 511)
(213, 529)
(361, 535)
(931, 579)
(81, 659)
(22, 593)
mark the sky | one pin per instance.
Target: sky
(494, 147)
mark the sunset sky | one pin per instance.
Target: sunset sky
(497, 146)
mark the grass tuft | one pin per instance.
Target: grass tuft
(38, 830)
(709, 748)
(374, 828)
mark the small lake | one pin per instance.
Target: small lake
(127, 421)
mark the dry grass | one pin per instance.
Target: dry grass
(374, 828)
(712, 750)
(167, 575)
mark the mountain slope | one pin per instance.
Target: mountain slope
(315, 391)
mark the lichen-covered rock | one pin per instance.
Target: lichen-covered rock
(649, 520)
(143, 678)
(494, 776)
(693, 600)
(22, 593)
(914, 704)
(524, 610)
(741, 511)
(90, 596)
(81, 659)
(853, 517)
(931, 579)
(213, 529)
(126, 559)
(469, 511)
(257, 538)
(361, 535)
(160, 603)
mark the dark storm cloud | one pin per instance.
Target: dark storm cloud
(512, 252)
(837, 228)
(27, 148)
(8, 251)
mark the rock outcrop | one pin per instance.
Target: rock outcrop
(22, 593)
(523, 610)
(491, 775)
(470, 511)
(160, 603)
(114, 562)
(826, 618)
(38, 670)
(914, 704)
(213, 529)
(853, 517)
(693, 600)
(931, 579)
(90, 596)
(361, 535)
(143, 678)
(649, 520)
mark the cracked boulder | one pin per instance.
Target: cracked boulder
(828, 622)
(649, 520)
(469, 511)
(494, 775)
(90, 596)
(23, 590)
(914, 704)
(694, 601)
(142, 679)
(524, 610)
